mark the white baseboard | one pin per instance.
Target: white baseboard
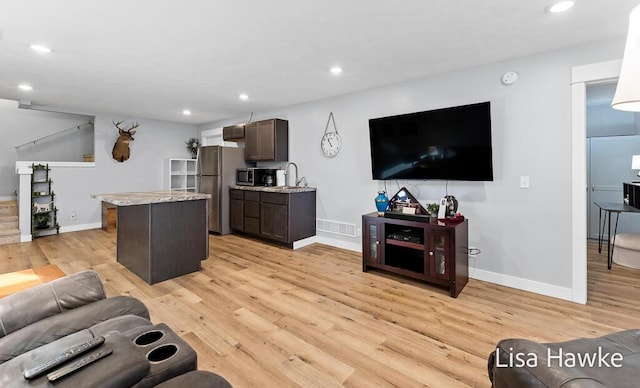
(75, 228)
(522, 284)
(330, 241)
(304, 242)
(64, 229)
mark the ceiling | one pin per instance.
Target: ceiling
(154, 58)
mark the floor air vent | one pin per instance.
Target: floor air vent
(336, 227)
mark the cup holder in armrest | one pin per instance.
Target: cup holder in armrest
(162, 353)
(148, 338)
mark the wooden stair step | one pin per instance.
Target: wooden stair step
(9, 236)
(7, 232)
(8, 208)
(8, 222)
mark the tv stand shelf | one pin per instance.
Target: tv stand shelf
(405, 244)
(432, 252)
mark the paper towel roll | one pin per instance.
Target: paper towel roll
(280, 178)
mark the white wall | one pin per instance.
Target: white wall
(20, 125)
(523, 234)
(154, 142)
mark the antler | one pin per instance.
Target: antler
(136, 125)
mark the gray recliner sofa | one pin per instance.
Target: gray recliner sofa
(612, 360)
(39, 323)
(45, 313)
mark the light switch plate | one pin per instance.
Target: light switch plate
(524, 182)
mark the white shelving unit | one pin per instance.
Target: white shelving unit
(180, 174)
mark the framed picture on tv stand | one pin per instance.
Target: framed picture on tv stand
(403, 202)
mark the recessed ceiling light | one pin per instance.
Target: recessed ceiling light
(560, 6)
(336, 70)
(39, 48)
(186, 112)
(243, 96)
(25, 87)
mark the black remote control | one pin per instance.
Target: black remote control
(63, 357)
(81, 363)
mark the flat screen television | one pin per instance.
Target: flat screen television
(448, 144)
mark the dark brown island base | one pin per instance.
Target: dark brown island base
(162, 234)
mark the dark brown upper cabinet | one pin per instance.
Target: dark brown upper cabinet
(267, 140)
(235, 132)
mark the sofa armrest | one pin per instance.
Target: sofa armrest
(26, 307)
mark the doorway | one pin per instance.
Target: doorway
(580, 77)
(612, 140)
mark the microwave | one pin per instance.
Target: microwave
(245, 177)
(255, 176)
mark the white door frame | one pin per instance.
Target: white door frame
(580, 77)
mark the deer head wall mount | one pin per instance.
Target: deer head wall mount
(121, 150)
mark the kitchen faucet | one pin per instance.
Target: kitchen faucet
(286, 172)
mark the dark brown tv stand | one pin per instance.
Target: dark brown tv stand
(433, 252)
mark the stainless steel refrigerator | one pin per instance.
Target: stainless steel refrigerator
(216, 170)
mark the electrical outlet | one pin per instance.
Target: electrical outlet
(524, 182)
(358, 232)
(72, 215)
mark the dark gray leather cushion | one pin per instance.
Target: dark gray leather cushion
(548, 373)
(196, 379)
(26, 307)
(57, 326)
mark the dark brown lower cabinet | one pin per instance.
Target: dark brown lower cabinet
(279, 217)
(433, 252)
(236, 210)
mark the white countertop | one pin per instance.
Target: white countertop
(148, 197)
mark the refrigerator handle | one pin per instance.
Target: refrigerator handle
(198, 161)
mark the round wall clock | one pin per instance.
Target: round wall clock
(331, 142)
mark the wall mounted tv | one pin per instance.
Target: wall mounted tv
(449, 144)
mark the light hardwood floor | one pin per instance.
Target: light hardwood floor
(266, 316)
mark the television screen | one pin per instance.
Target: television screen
(449, 144)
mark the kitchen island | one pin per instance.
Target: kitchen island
(160, 234)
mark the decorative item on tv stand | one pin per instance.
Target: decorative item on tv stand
(432, 209)
(382, 202)
(405, 206)
(448, 212)
(452, 205)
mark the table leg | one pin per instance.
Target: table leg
(600, 229)
(613, 245)
(609, 242)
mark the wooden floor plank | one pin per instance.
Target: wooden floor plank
(12, 282)
(263, 315)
